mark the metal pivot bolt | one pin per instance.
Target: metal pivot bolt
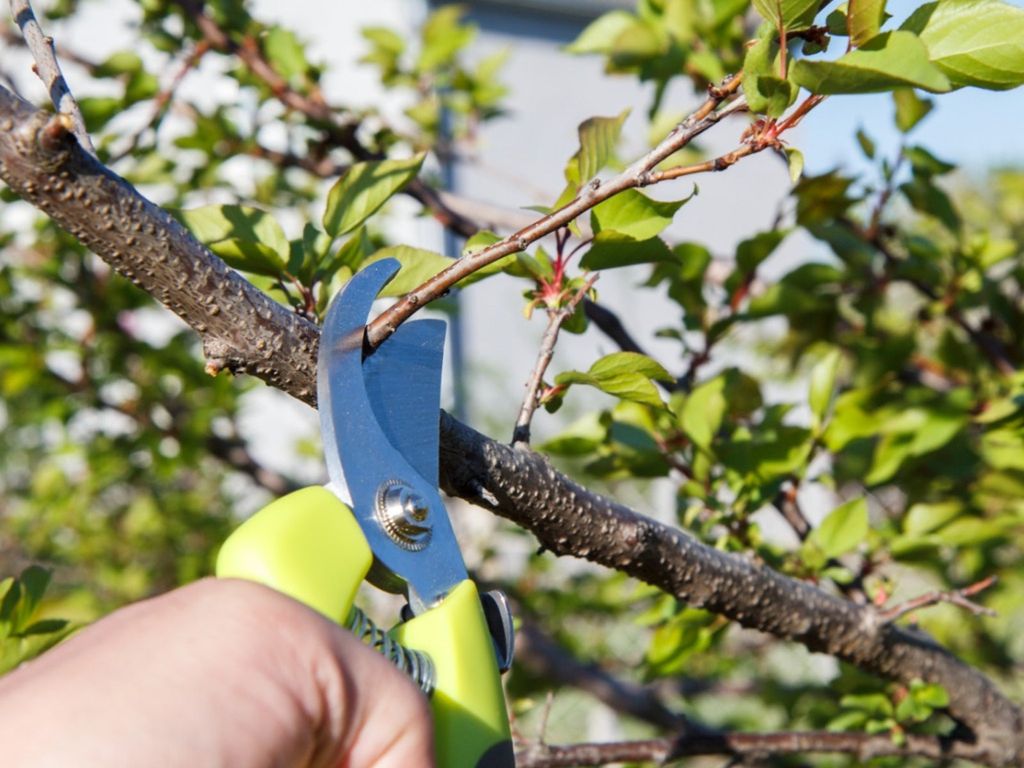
(402, 512)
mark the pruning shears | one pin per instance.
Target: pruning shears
(381, 518)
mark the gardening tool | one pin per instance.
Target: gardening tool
(381, 518)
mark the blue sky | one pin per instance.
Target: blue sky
(973, 128)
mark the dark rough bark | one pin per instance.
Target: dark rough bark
(244, 331)
(744, 746)
(570, 520)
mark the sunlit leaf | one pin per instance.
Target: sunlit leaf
(364, 189)
(634, 214)
(974, 42)
(889, 61)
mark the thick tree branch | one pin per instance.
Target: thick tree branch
(245, 331)
(570, 520)
(242, 329)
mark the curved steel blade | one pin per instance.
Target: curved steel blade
(359, 454)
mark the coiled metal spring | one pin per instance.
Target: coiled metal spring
(416, 664)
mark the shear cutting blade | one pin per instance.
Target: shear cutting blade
(375, 416)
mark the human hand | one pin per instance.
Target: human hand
(218, 673)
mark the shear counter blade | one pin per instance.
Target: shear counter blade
(403, 382)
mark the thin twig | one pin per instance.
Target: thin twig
(521, 433)
(549, 701)
(789, 507)
(48, 69)
(633, 177)
(162, 101)
(957, 597)
(719, 163)
(875, 221)
(864, 746)
(537, 652)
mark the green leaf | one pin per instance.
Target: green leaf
(384, 39)
(912, 432)
(352, 253)
(823, 383)
(754, 250)
(972, 532)
(864, 19)
(888, 61)
(34, 581)
(778, 94)
(600, 35)
(141, 85)
(872, 703)
(931, 200)
(211, 223)
(759, 61)
(675, 642)
(974, 42)
(248, 256)
(867, 146)
(598, 139)
(626, 375)
(618, 363)
(924, 518)
(418, 265)
(769, 455)
(97, 111)
(581, 438)
(364, 189)
(119, 63)
(248, 239)
(910, 108)
(788, 14)
(925, 163)
(836, 24)
(703, 412)
(478, 242)
(613, 249)
(10, 601)
(634, 214)
(286, 53)
(931, 694)
(795, 163)
(843, 529)
(444, 35)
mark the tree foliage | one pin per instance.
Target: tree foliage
(899, 335)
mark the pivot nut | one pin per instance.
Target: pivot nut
(403, 513)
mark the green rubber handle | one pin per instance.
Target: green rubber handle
(470, 722)
(309, 546)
